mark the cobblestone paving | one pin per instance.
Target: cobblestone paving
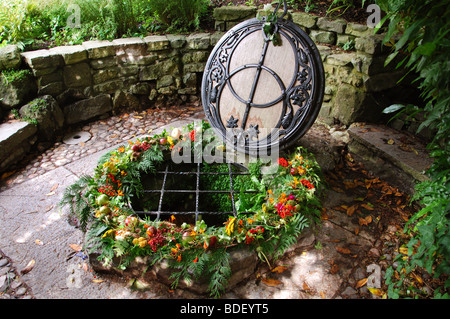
(103, 133)
(11, 284)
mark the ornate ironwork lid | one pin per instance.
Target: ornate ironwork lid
(263, 84)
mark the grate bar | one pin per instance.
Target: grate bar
(197, 192)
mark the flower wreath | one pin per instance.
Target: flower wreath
(286, 203)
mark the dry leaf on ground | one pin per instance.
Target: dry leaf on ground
(28, 267)
(343, 250)
(279, 269)
(361, 283)
(271, 282)
(76, 247)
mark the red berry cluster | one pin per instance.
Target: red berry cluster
(192, 136)
(283, 162)
(257, 230)
(107, 189)
(307, 183)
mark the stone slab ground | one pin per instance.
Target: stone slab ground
(328, 261)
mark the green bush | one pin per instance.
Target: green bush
(422, 28)
(181, 15)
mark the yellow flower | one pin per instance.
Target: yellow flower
(108, 233)
(250, 221)
(170, 140)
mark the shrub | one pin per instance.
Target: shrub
(423, 28)
(182, 15)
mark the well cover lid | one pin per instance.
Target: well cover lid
(258, 93)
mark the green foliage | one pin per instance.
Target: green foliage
(33, 21)
(181, 15)
(419, 32)
(9, 76)
(267, 222)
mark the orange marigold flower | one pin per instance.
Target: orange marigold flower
(195, 260)
(121, 149)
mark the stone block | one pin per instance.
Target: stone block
(194, 67)
(304, 20)
(155, 71)
(343, 39)
(130, 50)
(77, 75)
(323, 36)
(87, 109)
(165, 81)
(105, 75)
(70, 54)
(177, 41)
(48, 115)
(358, 30)
(108, 87)
(348, 103)
(341, 59)
(53, 89)
(234, 13)
(122, 99)
(10, 57)
(199, 41)
(42, 59)
(370, 44)
(334, 25)
(157, 42)
(16, 92)
(99, 49)
(141, 88)
(215, 37)
(15, 140)
(103, 63)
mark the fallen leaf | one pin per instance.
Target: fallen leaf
(376, 291)
(85, 267)
(137, 117)
(351, 210)
(403, 250)
(361, 283)
(28, 267)
(390, 141)
(334, 269)
(76, 247)
(39, 242)
(356, 231)
(97, 281)
(271, 282)
(50, 194)
(350, 184)
(365, 221)
(343, 250)
(367, 206)
(306, 287)
(279, 269)
(82, 144)
(48, 208)
(7, 174)
(54, 187)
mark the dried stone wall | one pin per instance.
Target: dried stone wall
(358, 86)
(72, 84)
(81, 82)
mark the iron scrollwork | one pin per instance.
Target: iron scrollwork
(301, 97)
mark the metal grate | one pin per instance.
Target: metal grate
(197, 191)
